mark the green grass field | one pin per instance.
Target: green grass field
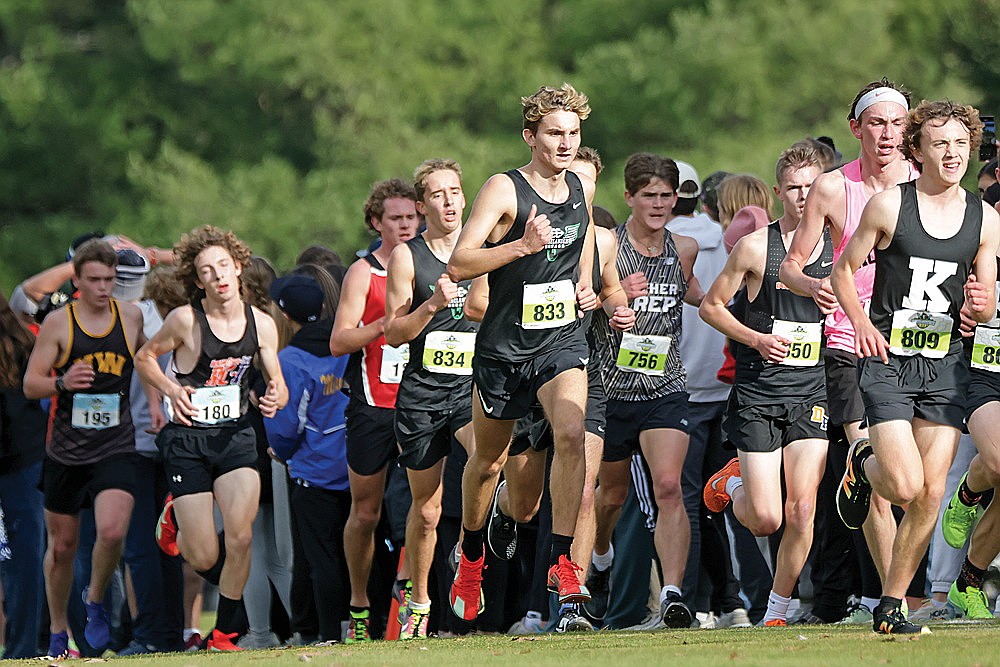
(950, 645)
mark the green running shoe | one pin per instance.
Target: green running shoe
(972, 603)
(958, 519)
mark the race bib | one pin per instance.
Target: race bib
(920, 332)
(986, 347)
(805, 337)
(548, 305)
(644, 354)
(95, 410)
(393, 362)
(216, 405)
(449, 352)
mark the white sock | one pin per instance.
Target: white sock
(937, 604)
(666, 589)
(732, 484)
(869, 603)
(190, 631)
(777, 607)
(603, 561)
(417, 606)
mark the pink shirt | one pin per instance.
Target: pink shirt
(839, 332)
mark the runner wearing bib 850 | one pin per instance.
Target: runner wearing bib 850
(209, 448)
(373, 375)
(424, 308)
(530, 231)
(776, 416)
(935, 250)
(643, 375)
(90, 460)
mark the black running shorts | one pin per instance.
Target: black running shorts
(752, 425)
(195, 457)
(908, 387)
(984, 387)
(69, 488)
(627, 419)
(371, 437)
(424, 436)
(843, 396)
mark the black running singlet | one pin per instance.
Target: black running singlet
(441, 356)
(533, 299)
(919, 280)
(220, 378)
(92, 424)
(777, 310)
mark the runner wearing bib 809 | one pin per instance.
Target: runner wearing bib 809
(935, 252)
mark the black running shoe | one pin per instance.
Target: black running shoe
(674, 613)
(854, 493)
(571, 620)
(892, 621)
(599, 585)
(501, 530)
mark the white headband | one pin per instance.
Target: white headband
(877, 95)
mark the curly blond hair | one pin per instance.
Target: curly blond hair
(942, 111)
(548, 99)
(191, 245)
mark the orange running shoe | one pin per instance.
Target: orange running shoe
(564, 579)
(220, 641)
(715, 495)
(166, 529)
(776, 623)
(467, 588)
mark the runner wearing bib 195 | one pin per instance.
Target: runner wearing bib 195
(424, 309)
(776, 417)
(643, 375)
(90, 460)
(930, 238)
(373, 375)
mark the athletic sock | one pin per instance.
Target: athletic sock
(777, 607)
(228, 609)
(967, 496)
(422, 607)
(603, 561)
(359, 612)
(472, 543)
(561, 546)
(970, 576)
(212, 574)
(732, 484)
(888, 603)
(669, 588)
(869, 603)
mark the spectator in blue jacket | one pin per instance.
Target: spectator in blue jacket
(308, 434)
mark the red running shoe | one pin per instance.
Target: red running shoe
(220, 641)
(565, 580)
(166, 529)
(715, 495)
(467, 588)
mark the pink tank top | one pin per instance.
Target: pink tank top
(839, 332)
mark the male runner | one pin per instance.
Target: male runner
(835, 202)
(374, 373)
(644, 377)
(434, 404)
(209, 448)
(530, 230)
(91, 459)
(776, 417)
(930, 237)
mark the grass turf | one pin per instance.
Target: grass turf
(952, 645)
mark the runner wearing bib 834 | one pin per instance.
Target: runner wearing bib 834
(935, 252)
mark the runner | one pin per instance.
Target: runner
(643, 374)
(209, 448)
(91, 459)
(776, 416)
(373, 374)
(530, 230)
(836, 200)
(930, 237)
(434, 404)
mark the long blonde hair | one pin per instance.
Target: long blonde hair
(739, 190)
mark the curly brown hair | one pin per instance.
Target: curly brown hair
(943, 110)
(394, 188)
(191, 245)
(548, 99)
